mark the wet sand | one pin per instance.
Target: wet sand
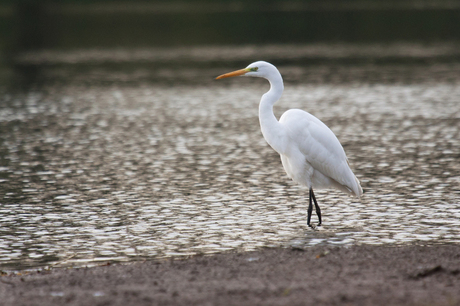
(357, 275)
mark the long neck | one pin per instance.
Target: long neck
(271, 128)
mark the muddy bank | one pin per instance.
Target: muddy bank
(358, 275)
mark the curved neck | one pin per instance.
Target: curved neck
(271, 128)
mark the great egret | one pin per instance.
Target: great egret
(310, 152)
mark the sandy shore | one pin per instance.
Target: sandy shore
(359, 275)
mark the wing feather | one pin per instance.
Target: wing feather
(320, 146)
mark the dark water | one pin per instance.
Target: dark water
(49, 24)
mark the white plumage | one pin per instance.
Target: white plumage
(310, 152)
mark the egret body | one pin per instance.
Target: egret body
(310, 152)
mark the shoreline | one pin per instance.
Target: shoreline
(319, 275)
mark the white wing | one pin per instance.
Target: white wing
(321, 148)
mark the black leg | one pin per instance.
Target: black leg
(310, 209)
(318, 210)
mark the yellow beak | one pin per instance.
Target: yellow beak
(233, 74)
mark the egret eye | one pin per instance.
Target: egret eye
(254, 69)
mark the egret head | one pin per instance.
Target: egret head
(259, 69)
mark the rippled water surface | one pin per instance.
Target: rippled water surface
(125, 171)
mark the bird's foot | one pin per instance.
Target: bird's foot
(314, 226)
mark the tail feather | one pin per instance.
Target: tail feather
(357, 191)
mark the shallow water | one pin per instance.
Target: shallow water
(129, 168)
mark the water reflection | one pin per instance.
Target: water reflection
(313, 63)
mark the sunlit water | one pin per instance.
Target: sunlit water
(132, 171)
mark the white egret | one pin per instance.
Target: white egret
(310, 152)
